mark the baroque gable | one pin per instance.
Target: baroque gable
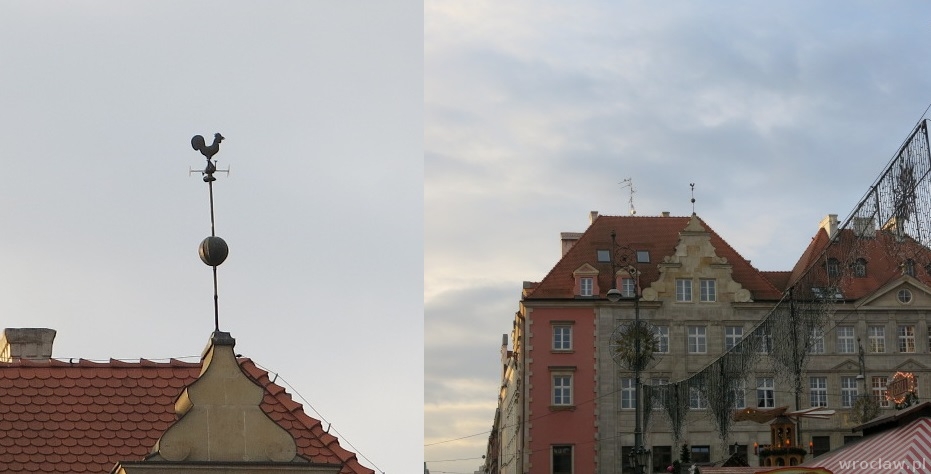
(696, 258)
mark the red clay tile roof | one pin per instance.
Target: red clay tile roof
(883, 253)
(83, 416)
(779, 279)
(658, 235)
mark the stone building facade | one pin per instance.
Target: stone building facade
(566, 407)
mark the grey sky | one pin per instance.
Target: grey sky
(320, 103)
(536, 111)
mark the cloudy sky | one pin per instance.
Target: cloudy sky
(535, 112)
(320, 104)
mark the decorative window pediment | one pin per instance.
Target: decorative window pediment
(586, 281)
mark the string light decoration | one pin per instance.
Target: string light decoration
(888, 231)
(902, 390)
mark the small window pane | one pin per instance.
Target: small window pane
(708, 290)
(604, 256)
(683, 290)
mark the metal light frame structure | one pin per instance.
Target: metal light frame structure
(626, 258)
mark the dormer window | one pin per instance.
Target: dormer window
(628, 287)
(833, 268)
(859, 268)
(586, 281)
(908, 267)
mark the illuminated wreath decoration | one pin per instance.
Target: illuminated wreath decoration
(902, 390)
(623, 345)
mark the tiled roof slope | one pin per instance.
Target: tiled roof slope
(83, 416)
(883, 252)
(779, 279)
(659, 235)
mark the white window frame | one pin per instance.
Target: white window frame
(683, 290)
(765, 338)
(765, 392)
(876, 339)
(697, 400)
(732, 336)
(562, 395)
(906, 333)
(849, 391)
(878, 385)
(628, 393)
(662, 339)
(816, 341)
(586, 286)
(562, 337)
(818, 391)
(707, 290)
(697, 340)
(628, 287)
(657, 395)
(859, 268)
(846, 339)
(740, 394)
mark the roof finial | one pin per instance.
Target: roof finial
(693, 197)
(629, 183)
(213, 250)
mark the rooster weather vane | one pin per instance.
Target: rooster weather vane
(213, 250)
(200, 145)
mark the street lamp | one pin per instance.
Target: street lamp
(638, 459)
(627, 259)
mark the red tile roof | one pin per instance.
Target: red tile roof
(658, 235)
(83, 416)
(780, 279)
(883, 253)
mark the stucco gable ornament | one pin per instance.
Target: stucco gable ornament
(695, 257)
(220, 417)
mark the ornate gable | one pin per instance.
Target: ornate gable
(696, 258)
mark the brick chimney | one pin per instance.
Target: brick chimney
(26, 343)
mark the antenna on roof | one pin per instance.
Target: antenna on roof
(693, 197)
(213, 250)
(629, 183)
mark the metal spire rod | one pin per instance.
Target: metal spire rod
(213, 250)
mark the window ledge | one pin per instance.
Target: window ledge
(562, 407)
(562, 351)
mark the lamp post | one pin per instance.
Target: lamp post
(623, 256)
